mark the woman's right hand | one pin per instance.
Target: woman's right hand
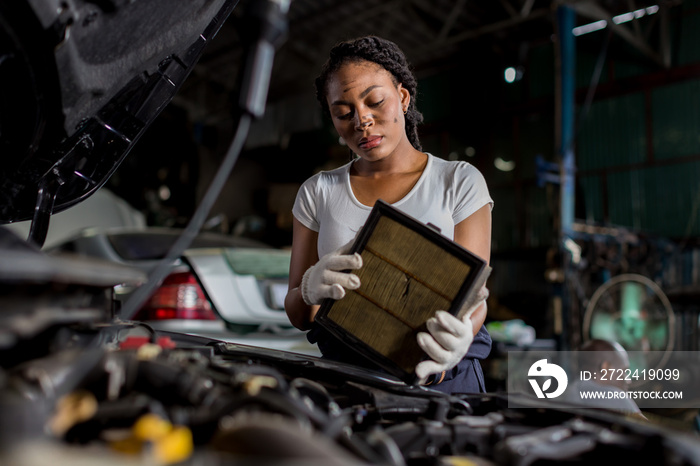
(328, 279)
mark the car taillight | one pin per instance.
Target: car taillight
(179, 297)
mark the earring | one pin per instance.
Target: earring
(405, 111)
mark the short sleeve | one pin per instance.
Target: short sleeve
(471, 191)
(305, 209)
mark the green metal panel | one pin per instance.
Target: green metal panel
(671, 200)
(540, 223)
(689, 50)
(613, 133)
(592, 200)
(676, 120)
(662, 200)
(628, 69)
(505, 233)
(541, 71)
(626, 199)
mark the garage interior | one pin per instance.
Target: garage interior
(620, 198)
(589, 144)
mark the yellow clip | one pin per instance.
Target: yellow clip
(169, 444)
(174, 447)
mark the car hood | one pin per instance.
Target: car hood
(81, 81)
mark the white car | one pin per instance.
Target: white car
(224, 287)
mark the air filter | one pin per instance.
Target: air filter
(409, 271)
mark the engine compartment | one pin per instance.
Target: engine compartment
(121, 393)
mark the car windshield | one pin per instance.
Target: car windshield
(263, 263)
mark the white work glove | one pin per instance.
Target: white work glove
(448, 341)
(326, 279)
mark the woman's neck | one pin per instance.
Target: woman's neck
(400, 162)
(390, 182)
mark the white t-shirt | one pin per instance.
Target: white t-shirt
(445, 194)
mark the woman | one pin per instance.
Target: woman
(368, 90)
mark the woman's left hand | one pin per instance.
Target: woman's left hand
(448, 340)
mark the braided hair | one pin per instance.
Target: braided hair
(387, 55)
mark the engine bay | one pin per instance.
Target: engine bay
(121, 393)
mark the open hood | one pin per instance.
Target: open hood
(80, 82)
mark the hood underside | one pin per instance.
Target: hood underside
(80, 81)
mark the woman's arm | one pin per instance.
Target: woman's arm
(304, 255)
(474, 233)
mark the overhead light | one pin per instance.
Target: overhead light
(504, 165)
(512, 74)
(625, 17)
(590, 27)
(470, 151)
(619, 19)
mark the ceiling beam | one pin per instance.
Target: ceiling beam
(329, 16)
(419, 21)
(496, 26)
(527, 7)
(430, 9)
(451, 19)
(509, 8)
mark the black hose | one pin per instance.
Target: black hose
(165, 265)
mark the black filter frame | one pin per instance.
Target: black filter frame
(477, 275)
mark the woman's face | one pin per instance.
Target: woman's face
(367, 109)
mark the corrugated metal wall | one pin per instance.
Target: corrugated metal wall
(652, 191)
(624, 181)
(592, 199)
(676, 119)
(625, 198)
(612, 133)
(669, 199)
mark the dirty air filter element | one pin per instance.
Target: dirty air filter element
(409, 271)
